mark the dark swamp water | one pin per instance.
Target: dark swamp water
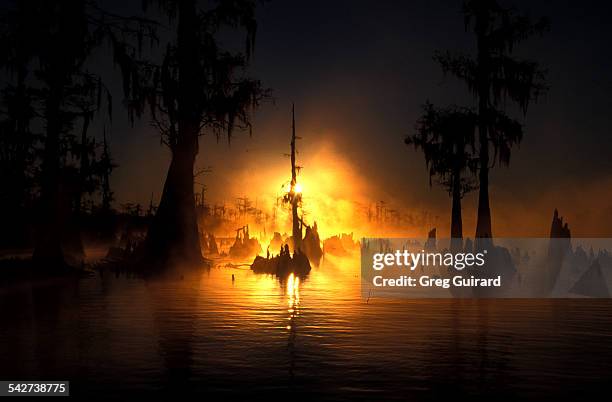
(206, 334)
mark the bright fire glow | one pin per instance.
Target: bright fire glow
(334, 194)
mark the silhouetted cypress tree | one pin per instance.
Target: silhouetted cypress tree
(198, 88)
(494, 76)
(447, 139)
(17, 140)
(52, 41)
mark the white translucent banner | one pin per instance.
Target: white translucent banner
(488, 268)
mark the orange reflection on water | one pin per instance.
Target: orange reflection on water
(293, 297)
(255, 304)
(293, 289)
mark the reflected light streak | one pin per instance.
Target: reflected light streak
(293, 297)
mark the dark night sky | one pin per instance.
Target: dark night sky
(358, 72)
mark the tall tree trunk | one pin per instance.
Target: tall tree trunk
(456, 220)
(106, 193)
(483, 223)
(72, 243)
(15, 160)
(173, 235)
(296, 230)
(48, 248)
(23, 138)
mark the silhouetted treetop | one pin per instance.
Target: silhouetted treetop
(446, 136)
(221, 94)
(498, 30)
